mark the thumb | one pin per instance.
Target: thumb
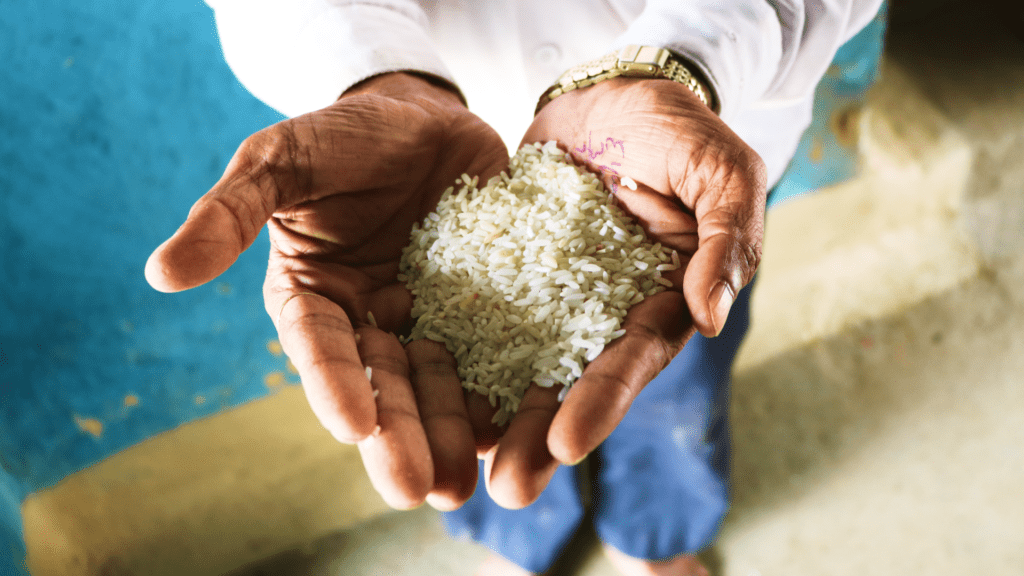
(724, 263)
(220, 226)
(730, 230)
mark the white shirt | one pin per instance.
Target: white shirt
(762, 58)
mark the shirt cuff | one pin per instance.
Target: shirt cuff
(303, 58)
(737, 51)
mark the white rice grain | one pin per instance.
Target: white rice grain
(528, 278)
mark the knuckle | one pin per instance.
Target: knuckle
(757, 170)
(752, 252)
(245, 219)
(314, 321)
(657, 348)
(271, 147)
(279, 158)
(391, 415)
(431, 357)
(391, 363)
(445, 419)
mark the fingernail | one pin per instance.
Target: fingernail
(490, 453)
(723, 297)
(346, 439)
(441, 504)
(488, 464)
(580, 460)
(408, 507)
(366, 439)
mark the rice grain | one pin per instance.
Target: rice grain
(527, 279)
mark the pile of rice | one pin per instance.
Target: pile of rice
(528, 278)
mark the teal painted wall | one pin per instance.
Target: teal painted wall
(115, 116)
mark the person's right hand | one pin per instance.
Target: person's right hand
(340, 189)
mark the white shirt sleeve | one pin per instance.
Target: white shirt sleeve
(756, 54)
(300, 55)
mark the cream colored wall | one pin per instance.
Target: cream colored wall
(872, 246)
(203, 498)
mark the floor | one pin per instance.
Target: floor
(877, 406)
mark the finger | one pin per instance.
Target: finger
(397, 455)
(318, 338)
(656, 330)
(662, 217)
(291, 162)
(220, 226)
(521, 466)
(442, 409)
(727, 192)
(481, 417)
(362, 297)
(724, 263)
(390, 306)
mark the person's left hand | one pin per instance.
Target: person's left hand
(699, 190)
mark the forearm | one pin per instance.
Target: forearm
(409, 83)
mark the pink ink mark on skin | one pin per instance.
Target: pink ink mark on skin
(603, 168)
(606, 146)
(603, 146)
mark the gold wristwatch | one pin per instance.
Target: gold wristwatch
(632, 61)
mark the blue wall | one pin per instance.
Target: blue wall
(115, 116)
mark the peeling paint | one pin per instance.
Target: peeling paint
(844, 125)
(275, 380)
(274, 347)
(817, 150)
(90, 426)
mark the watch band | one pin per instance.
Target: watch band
(631, 61)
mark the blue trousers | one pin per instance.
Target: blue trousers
(661, 486)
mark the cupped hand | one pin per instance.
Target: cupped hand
(700, 190)
(340, 189)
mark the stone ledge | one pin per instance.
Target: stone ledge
(204, 498)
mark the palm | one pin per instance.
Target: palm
(699, 190)
(677, 152)
(347, 215)
(340, 189)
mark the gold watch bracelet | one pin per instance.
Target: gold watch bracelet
(633, 61)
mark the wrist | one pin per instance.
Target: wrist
(636, 62)
(698, 77)
(405, 83)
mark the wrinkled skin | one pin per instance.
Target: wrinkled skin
(340, 189)
(700, 190)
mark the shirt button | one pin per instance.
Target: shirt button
(547, 54)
